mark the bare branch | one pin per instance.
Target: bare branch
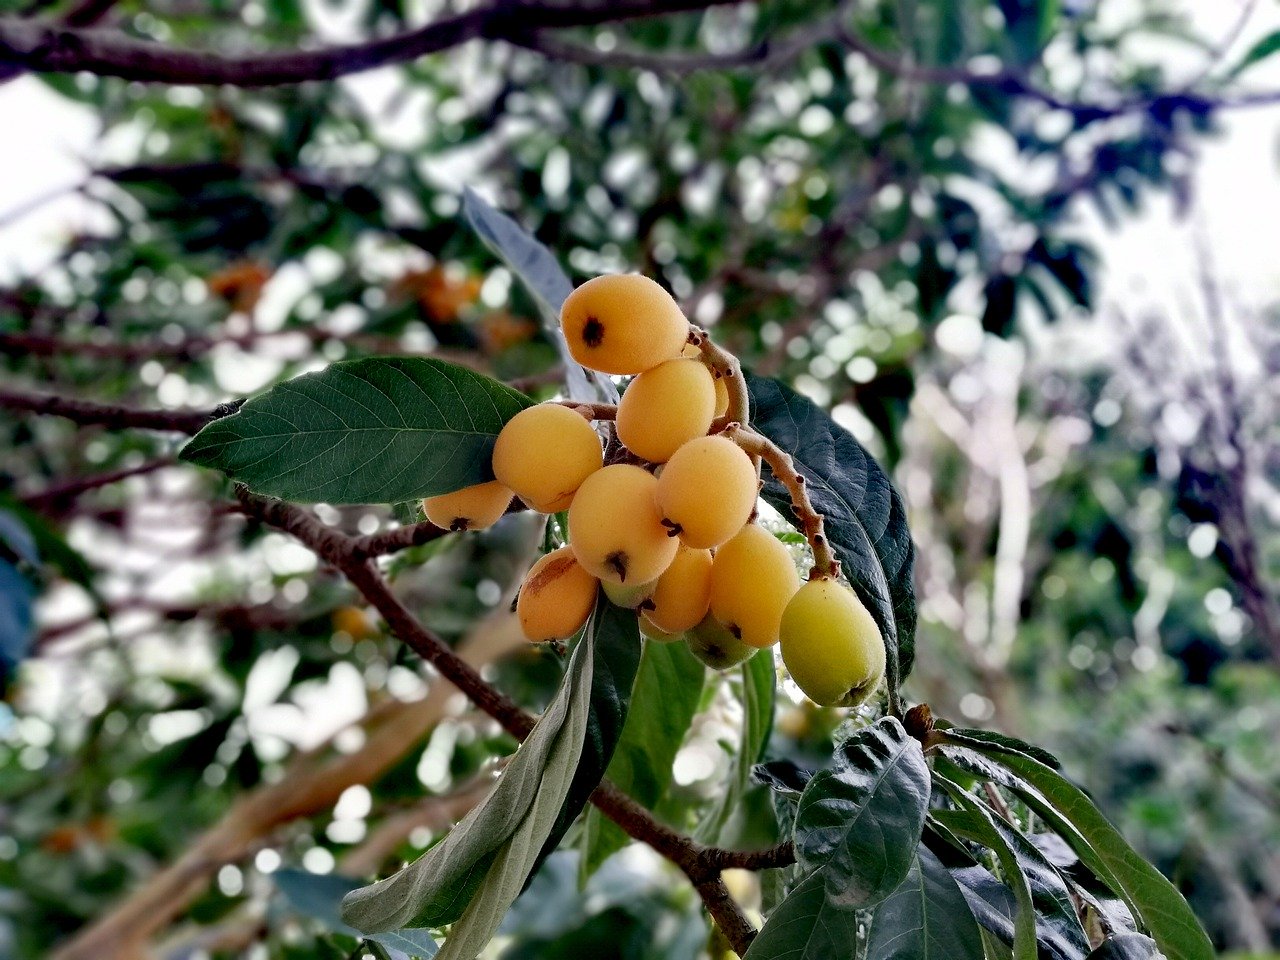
(89, 413)
(52, 48)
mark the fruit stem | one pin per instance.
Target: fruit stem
(782, 466)
(724, 365)
(591, 411)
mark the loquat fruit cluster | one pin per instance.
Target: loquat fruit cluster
(662, 518)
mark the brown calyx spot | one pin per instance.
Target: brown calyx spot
(593, 332)
(648, 604)
(735, 630)
(673, 529)
(459, 524)
(617, 562)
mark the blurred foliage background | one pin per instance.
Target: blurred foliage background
(878, 201)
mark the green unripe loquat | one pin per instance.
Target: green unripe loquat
(752, 579)
(623, 323)
(544, 453)
(628, 595)
(556, 598)
(682, 594)
(707, 491)
(831, 644)
(715, 646)
(472, 508)
(666, 407)
(615, 529)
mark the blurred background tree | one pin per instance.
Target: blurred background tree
(878, 201)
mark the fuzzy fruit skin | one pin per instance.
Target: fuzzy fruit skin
(831, 644)
(715, 646)
(752, 580)
(477, 507)
(623, 323)
(556, 598)
(666, 407)
(682, 594)
(615, 529)
(544, 453)
(628, 595)
(708, 489)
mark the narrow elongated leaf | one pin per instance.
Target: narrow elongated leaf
(1128, 946)
(1155, 902)
(861, 822)
(538, 269)
(759, 682)
(615, 642)
(988, 741)
(1267, 46)
(517, 857)
(668, 687)
(376, 430)
(15, 536)
(925, 918)
(865, 517)
(320, 897)
(16, 597)
(806, 926)
(435, 889)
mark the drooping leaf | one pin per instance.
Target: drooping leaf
(759, 681)
(806, 926)
(1265, 47)
(925, 918)
(668, 688)
(538, 269)
(1154, 901)
(865, 517)
(436, 888)
(860, 823)
(319, 896)
(615, 641)
(15, 536)
(1127, 946)
(376, 430)
(988, 741)
(16, 597)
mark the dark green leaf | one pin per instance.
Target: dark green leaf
(1128, 946)
(1155, 902)
(615, 642)
(861, 822)
(436, 888)
(987, 741)
(865, 517)
(1265, 47)
(320, 897)
(806, 926)
(16, 597)
(667, 690)
(926, 918)
(377, 430)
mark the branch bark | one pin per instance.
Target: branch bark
(88, 413)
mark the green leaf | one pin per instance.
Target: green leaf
(1127, 946)
(319, 897)
(17, 596)
(806, 926)
(435, 889)
(988, 742)
(926, 918)
(1155, 902)
(376, 430)
(1265, 47)
(615, 642)
(538, 269)
(667, 690)
(866, 520)
(861, 822)
(759, 680)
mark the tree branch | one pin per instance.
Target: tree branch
(701, 864)
(55, 48)
(89, 413)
